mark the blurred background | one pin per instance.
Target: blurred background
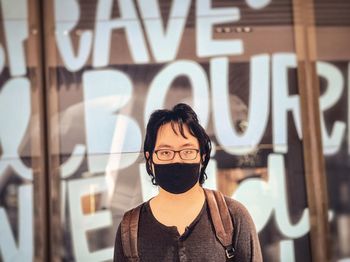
(79, 79)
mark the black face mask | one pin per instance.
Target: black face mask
(177, 178)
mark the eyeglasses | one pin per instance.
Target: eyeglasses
(168, 154)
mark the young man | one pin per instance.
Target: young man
(177, 225)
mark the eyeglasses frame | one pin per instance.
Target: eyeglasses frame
(176, 151)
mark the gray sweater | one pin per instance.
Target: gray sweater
(157, 242)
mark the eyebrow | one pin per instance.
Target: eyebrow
(169, 146)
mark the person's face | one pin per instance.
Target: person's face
(168, 139)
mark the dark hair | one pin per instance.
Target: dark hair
(180, 114)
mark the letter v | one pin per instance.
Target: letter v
(164, 42)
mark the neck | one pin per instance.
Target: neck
(195, 194)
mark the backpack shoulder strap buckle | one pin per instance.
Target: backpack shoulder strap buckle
(230, 251)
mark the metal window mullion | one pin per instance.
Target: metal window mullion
(51, 125)
(309, 90)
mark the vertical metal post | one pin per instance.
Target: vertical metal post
(309, 90)
(38, 134)
(50, 109)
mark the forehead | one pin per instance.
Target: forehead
(167, 137)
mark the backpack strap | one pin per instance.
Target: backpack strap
(129, 228)
(221, 218)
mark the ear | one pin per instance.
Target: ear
(203, 158)
(148, 159)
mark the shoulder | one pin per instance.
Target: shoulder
(134, 210)
(245, 237)
(236, 206)
(128, 216)
(238, 211)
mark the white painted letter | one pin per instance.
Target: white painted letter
(164, 43)
(206, 18)
(8, 245)
(335, 81)
(15, 19)
(229, 139)
(67, 15)
(263, 198)
(104, 27)
(282, 102)
(14, 123)
(81, 223)
(106, 92)
(161, 84)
